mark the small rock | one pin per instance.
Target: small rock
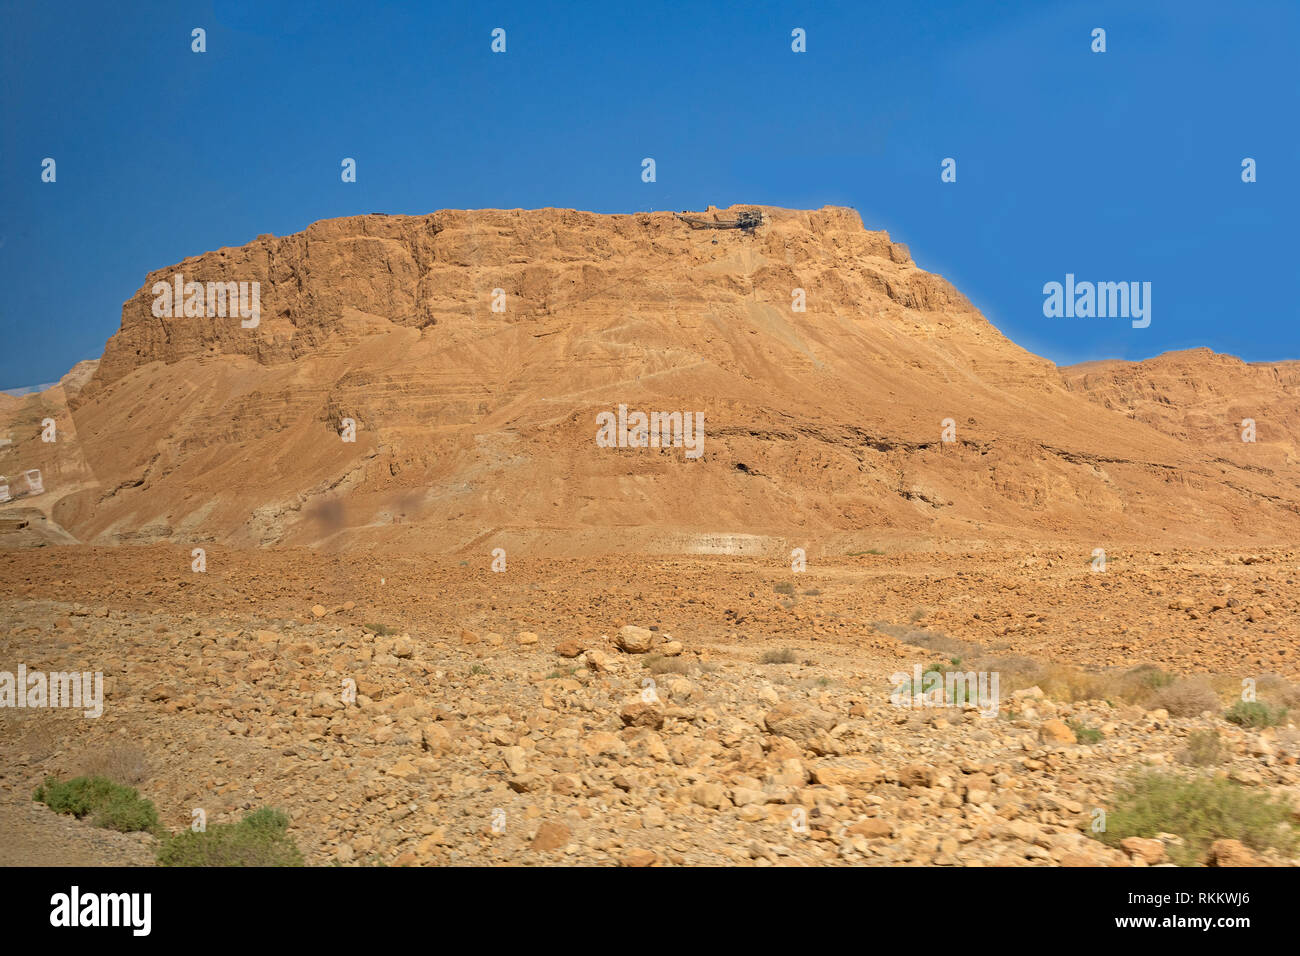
(872, 827)
(1151, 851)
(641, 714)
(1231, 853)
(711, 795)
(551, 836)
(1056, 731)
(634, 640)
(918, 775)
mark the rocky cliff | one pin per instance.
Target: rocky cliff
(475, 350)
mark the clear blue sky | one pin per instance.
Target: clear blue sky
(1117, 166)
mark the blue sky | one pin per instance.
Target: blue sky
(1115, 166)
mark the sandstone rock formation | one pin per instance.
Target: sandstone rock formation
(477, 428)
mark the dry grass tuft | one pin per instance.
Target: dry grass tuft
(121, 762)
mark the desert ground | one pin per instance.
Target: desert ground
(499, 718)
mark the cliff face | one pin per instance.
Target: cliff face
(476, 426)
(344, 278)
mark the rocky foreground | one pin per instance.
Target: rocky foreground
(711, 711)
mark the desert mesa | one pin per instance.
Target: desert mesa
(472, 378)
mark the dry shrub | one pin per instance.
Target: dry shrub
(1185, 698)
(935, 641)
(1204, 749)
(1276, 690)
(1058, 681)
(658, 664)
(121, 762)
(1069, 683)
(1139, 684)
(1014, 671)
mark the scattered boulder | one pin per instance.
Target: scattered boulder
(918, 775)
(634, 640)
(845, 772)
(1149, 851)
(551, 836)
(800, 724)
(1231, 853)
(641, 714)
(1056, 731)
(872, 827)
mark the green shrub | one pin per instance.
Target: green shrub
(1253, 713)
(108, 804)
(907, 688)
(260, 839)
(1200, 811)
(1141, 682)
(784, 656)
(1204, 749)
(1084, 734)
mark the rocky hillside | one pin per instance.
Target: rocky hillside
(1204, 399)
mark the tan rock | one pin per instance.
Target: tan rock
(551, 836)
(711, 795)
(872, 827)
(603, 743)
(845, 772)
(638, 857)
(918, 775)
(641, 714)
(634, 640)
(1224, 853)
(525, 782)
(1151, 851)
(800, 724)
(1056, 731)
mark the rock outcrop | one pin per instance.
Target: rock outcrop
(475, 350)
